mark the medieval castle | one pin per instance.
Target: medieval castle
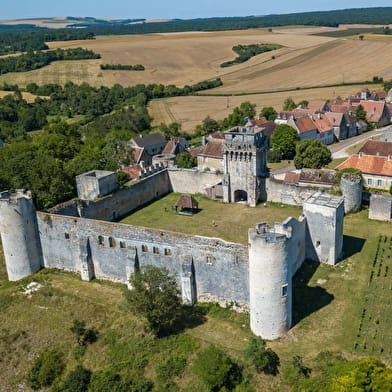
(82, 235)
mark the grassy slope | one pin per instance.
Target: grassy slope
(328, 305)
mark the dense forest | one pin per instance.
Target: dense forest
(34, 60)
(48, 162)
(245, 52)
(22, 38)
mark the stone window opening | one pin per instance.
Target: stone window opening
(168, 252)
(144, 249)
(209, 259)
(155, 250)
(317, 244)
(112, 242)
(101, 240)
(66, 235)
(284, 290)
(122, 245)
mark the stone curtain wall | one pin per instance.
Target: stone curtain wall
(380, 207)
(279, 192)
(220, 268)
(192, 181)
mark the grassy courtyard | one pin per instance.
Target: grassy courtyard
(215, 219)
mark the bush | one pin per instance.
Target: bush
(312, 154)
(217, 370)
(77, 381)
(172, 367)
(46, 368)
(263, 358)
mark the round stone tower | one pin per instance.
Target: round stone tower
(351, 187)
(19, 234)
(270, 285)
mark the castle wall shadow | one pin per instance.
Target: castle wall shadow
(352, 245)
(306, 299)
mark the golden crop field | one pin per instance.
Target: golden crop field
(190, 111)
(175, 58)
(27, 96)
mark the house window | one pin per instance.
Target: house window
(144, 248)
(369, 181)
(122, 245)
(66, 235)
(155, 250)
(168, 252)
(380, 182)
(284, 290)
(112, 242)
(101, 240)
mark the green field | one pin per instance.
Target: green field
(215, 219)
(329, 305)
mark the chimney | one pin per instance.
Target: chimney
(141, 164)
(389, 158)
(360, 155)
(203, 140)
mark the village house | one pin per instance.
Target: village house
(344, 125)
(376, 169)
(211, 157)
(377, 112)
(305, 127)
(176, 145)
(325, 129)
(153, 143)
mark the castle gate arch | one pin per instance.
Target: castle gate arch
(240, 195)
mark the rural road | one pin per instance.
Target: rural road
(338, 150)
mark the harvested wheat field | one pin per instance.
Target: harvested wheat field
(190, 111)
(26, 96)
(175, 58)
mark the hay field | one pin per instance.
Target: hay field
(190, 111)
(175, 58)
(27, 96)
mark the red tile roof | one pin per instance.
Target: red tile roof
(213, 149)
(370, 164)
(317, 106)
(291, 178)
(374, 147)
(269, 126)
(374, 110)
(137, 153)
(323, 124)
(305, 124)
(195, 151)
(132, 171)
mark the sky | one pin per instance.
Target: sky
(169, 9)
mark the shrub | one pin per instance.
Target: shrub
(77, 380)
(217, 370)
(263, 358)
(172, 367)
(46, 368)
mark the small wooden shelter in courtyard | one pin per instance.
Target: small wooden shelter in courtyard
(187, 205)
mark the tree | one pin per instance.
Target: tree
(77, 380)
(361, 37)
(83, 334)
(312, 154)
(360, 113)
(217, 370)
(284, 139)
(263, 358)
(46, 368)
(185, 160)
(210, 125)
(289, 104)
(155, 296)
(269, 113)
(368, 374)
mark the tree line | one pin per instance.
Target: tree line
(245, 52)
(38, 59)
(123, 67)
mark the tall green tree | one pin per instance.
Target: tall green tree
(269, 113)
(289, 104)
(155, 296)
(312, 154)
(284, 139)
(360, 113)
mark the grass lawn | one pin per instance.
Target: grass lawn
(232, 221)
(334, 163)
(329, 304)
(280, 165)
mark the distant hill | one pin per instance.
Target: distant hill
(374, 15)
